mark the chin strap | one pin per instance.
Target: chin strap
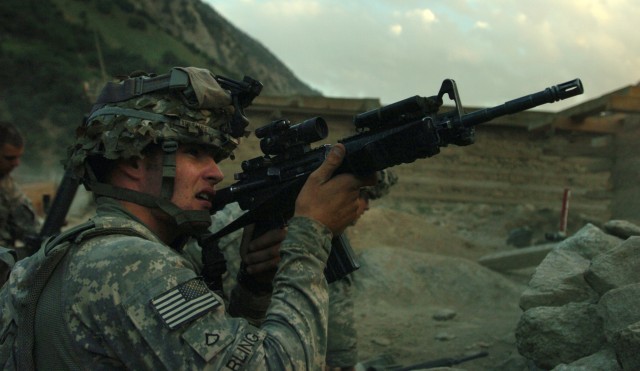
(189, 222)
(169, 147)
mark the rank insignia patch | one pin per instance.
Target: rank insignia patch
(184, 303)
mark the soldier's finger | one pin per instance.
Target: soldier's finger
(330, 164)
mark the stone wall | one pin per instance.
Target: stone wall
(581, 307)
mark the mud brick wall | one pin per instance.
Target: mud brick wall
(512, 166)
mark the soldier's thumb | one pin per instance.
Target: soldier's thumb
(331, 163)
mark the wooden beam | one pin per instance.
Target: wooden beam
(635, 91)
(592, 124)
(594, 106)
(625, 104)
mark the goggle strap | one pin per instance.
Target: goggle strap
(117, 92)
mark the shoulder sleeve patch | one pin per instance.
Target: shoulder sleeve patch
(184, 303)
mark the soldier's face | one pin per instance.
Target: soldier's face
(9, 158)
(196, 175)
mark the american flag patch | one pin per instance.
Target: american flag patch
(184, 303)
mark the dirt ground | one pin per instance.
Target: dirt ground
(419, 264)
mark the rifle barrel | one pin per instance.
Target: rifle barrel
(548, 95)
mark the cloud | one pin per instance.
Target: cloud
(396, 29)
(425, 15)
(290, 8)
(353, 49)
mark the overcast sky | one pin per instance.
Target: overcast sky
(496, 50)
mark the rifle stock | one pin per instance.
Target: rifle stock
(402, 132)
(56, 215)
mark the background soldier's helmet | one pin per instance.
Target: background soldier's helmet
(195, 109)
(386, 178)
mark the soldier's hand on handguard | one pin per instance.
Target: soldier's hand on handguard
(332, 201)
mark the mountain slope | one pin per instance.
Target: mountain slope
(56, 54)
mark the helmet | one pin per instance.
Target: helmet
(187, 105)
(386, 178)
(123, 128)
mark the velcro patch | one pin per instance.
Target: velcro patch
(184, 303)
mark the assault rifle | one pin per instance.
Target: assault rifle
(399, 133)
(385, 362)
(56, 214)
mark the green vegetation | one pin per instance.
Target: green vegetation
(57, 54)
(49, 54)
(40, 85)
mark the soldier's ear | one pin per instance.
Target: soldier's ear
(131, 168)
(134, 162)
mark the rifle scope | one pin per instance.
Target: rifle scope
(279, 136)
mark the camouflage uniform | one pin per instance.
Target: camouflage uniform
(17, 217)
(113, 284)
(120, 298)
(242, 302)
(229, 245)
(248, 305)
(342, 346)
(342, 341)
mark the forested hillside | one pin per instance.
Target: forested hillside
(56, 54)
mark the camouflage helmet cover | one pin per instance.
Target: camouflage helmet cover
(386, 178)
(123, 129)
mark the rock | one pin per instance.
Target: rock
(619, 309)
(444, 336)
(604, 360)
(585, 319)
(626, 344)
(554, 335)
(590, 241)
(621, 228)
(444, 315)
(520, 237)
(558, 280)
(616, 267)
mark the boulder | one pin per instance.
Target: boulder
(616, 267)
(581, 305)
(604, 360)
(626, 344)
(558, 280)
(590, 241)
(621, 228)
(563, 334)
(619, 309)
